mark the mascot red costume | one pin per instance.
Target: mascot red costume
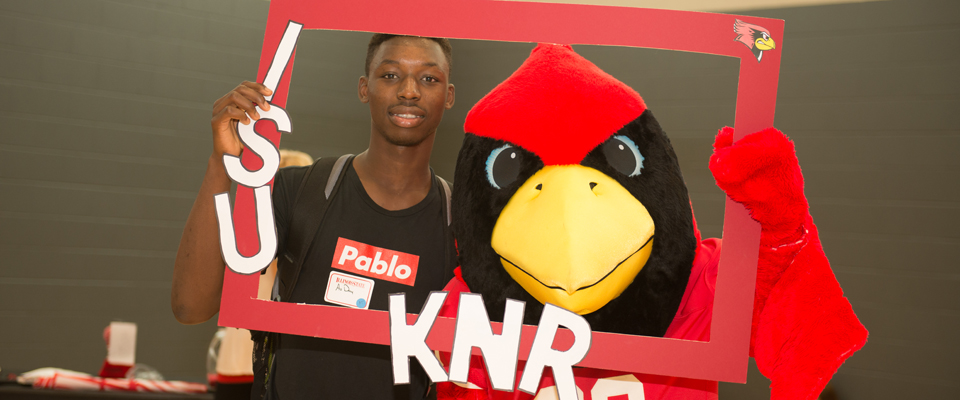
(568, 192)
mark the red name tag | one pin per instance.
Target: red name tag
(375, 262)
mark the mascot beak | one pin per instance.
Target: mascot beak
(765, 43)
(574, 237)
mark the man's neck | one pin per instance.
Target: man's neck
(395, 177)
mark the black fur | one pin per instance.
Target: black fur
(649, 304)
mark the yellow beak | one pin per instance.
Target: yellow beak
(574, 237)
(765, 44)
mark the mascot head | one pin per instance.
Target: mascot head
(568, 192)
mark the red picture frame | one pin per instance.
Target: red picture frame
(725, 356)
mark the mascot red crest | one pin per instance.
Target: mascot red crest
(557, 105)
(568, 192)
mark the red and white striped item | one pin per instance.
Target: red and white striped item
(70, 380)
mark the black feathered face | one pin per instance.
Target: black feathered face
(496, 185)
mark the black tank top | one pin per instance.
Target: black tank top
(359, 246)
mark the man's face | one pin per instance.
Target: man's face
(407, 90)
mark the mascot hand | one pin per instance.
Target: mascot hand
(803, 328)
(761, 172)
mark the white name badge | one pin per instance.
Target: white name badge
(348, 290)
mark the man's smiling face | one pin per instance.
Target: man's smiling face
(407, 89)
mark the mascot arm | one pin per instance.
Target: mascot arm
(803, 328)
(761, 172)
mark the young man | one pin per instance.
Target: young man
(388, 199)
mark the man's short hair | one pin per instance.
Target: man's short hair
(379, 38)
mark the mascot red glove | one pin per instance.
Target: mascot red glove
(569, 192)
(803, 327)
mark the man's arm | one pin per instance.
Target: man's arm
(198, 269)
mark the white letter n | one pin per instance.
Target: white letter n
(499, 351)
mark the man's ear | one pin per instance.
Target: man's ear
(451, 95)
(362, 90)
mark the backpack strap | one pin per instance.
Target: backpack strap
(309, 207)
(446, 190)
(450, 244)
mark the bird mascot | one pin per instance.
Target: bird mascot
(568, 192)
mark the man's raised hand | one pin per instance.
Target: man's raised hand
(237, 105)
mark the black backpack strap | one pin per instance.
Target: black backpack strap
(319, 184)
(446, 190)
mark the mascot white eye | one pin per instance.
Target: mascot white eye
(503, 166)
(623, 155)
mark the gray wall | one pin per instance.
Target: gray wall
(869, 92)
(93, 203)
(104, 117)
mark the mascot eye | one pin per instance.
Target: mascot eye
(503, 166)
(623, 155)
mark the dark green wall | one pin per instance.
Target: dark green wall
(105, 108)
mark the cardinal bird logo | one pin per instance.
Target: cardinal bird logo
(755, 37)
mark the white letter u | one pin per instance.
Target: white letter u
(266, 231)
